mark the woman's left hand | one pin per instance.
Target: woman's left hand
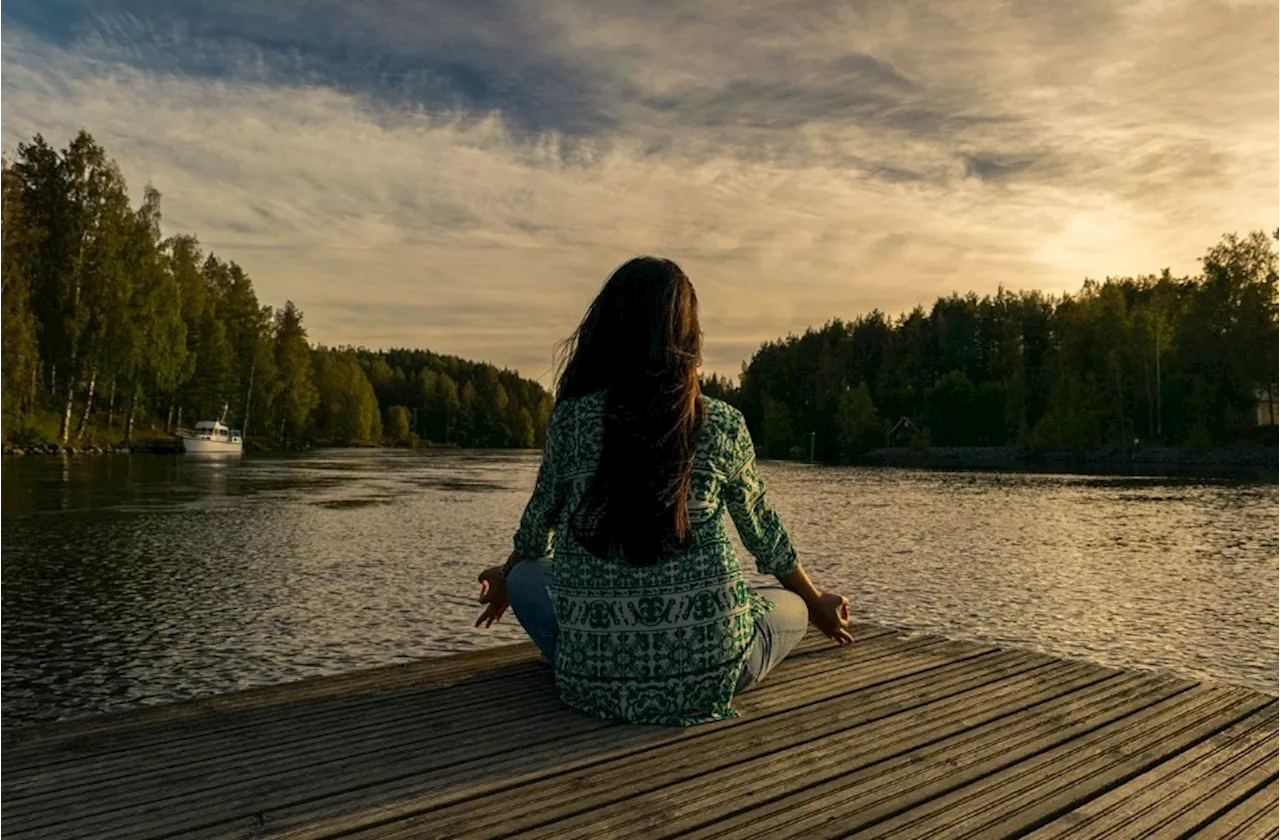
(830, 614)
(493, 594)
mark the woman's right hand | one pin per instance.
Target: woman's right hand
(493, 594)
(829, 612)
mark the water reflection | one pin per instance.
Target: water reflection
(142, 580)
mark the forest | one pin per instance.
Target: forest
(112, 331)
(1159, 361)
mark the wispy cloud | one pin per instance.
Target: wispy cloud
(464, 175)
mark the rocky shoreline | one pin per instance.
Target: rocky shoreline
(155, 447)
(92, 449)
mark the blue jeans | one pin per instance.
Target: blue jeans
(777, 631)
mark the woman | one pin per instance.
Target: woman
(622, 572)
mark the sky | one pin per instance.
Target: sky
(463, 175)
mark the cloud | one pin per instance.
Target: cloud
(463, 176)
(467, 57)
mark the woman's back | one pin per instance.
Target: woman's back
(644, 612)
(661, 643)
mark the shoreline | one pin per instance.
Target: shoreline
(1156, 462)
(174, 447)
(50, 449)
(1162, 460)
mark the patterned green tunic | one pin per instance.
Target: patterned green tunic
(665, 643)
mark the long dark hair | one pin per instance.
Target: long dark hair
(641, 344)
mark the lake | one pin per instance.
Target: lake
(146, 579)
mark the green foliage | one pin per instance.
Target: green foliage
(80, 270)
(859, 424)
(524, 433)
(959, 413)
(213, 381)
(347, 410)
(24, 432)
(397, 427)
(778, 438)
(720, 388)
(1173, 361)
(453, 401)
(17, 314)
(950, 409)
(107, 327)
(298, 394)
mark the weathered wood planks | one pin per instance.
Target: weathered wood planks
(898, 735)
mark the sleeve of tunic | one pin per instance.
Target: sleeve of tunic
(758, 525)
(533, 540)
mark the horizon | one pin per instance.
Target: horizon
(477, 211)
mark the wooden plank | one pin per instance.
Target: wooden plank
(28, 772)
(1042, 787)
(906, 680)
(414, 793)
(782, 801)
(752, 705)
(410, 795)
(1223, 796)
(271, 746)
(439, 671)
(593, 788)
(918, 752)
(41, 742)
(816, 643)
(868, 798)
(89, 773)
(34, 746)
(1258, 815)
(1182, 792)
(705, 800)
(901, 734)
(157, 795)
(341, 772)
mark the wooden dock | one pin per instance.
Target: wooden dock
(897, 735)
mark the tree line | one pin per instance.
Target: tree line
(109, 327)
(1149, 360)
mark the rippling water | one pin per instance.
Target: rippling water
(147, 579)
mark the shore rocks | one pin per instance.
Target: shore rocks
(89, 449)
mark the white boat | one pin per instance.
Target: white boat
(212, 437)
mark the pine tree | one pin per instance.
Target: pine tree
(17, 321)
(298, 395)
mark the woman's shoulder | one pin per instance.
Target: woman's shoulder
(721, 415)
(577, 407)
(568, 405)
(723, 434)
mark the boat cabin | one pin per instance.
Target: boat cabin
(213, 430)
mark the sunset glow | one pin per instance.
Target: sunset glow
(463, 176)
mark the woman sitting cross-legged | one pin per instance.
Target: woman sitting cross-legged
(622, 572)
